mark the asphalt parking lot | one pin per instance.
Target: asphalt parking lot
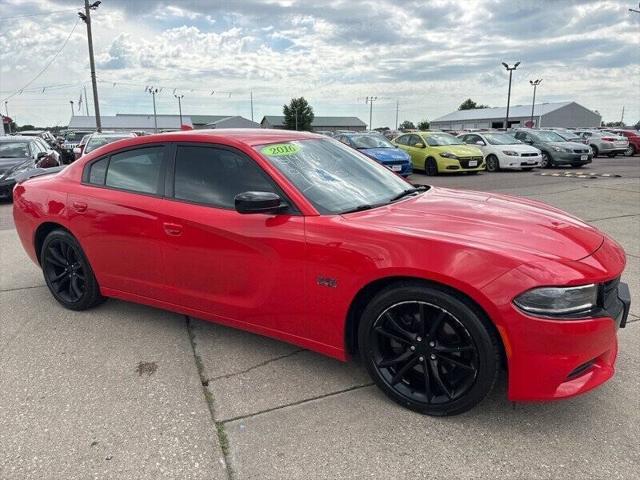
(126, 391)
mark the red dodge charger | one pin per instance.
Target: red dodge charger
(298, 237)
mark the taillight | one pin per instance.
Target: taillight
(608, 139)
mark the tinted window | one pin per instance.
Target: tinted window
(98, 171)
(413, 139)
(137, 170)
(402, 140)
(215, 176)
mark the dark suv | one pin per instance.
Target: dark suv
(555, 149)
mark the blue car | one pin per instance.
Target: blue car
(381, 150)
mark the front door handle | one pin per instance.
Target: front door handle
(80, 207)
(172, 229)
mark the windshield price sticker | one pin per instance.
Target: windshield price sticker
(280, 149)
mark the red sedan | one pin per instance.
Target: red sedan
(298, 237)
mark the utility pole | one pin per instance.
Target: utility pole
(370, 101)
(510, 70)
(179, 97)
(6, 108)
(86, 17)
(622, 117)
(86, 104)
(153, 92)
(535, 84)
(251, 92)
(71, 102)
(397, 109)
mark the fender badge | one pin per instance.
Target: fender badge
(327, 282)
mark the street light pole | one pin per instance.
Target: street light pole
(86, 17)
(153, 92)
(6, 109)
(179, 97)
(535, 84)
(510, 70)
(71, 102)
(370, 101)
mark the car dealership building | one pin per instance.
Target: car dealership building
(561, 115)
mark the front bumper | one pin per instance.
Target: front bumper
(452, 165)
(511, 161)
(6, 188)
(564, 158)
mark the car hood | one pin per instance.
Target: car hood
(517, 147)
(460, 150)
(499, 222)
(385, 154)
(581, 146)
(7, 164)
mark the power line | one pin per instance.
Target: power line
(46, 66)
(37, 14)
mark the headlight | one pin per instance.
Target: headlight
(448, 155)
(557, 149)
(556, 301)
(510, 152)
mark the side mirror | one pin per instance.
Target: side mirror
(480, 142)
(528, 141)
(419, 145)
(258, 202)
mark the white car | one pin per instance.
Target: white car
(502, 151)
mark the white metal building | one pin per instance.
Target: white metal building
(564, 115)
(143, 122)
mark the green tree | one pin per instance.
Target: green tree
(614, 124)
(469, 104)
(423, 125)
(298, 115)
(407, 125)
(25, 127)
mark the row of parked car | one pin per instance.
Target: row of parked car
(437, 152)
(40, 149)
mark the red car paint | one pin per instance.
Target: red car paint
(633, 136)
(261, 272)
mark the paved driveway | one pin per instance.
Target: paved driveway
(126, 391)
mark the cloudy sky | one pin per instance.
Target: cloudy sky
(427, 55)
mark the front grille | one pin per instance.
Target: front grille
(609, 293)
(395, 162)
(528, 154)
(464, 161)
(581, 150)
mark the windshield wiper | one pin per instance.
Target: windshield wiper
(408, 191)
(360, 208)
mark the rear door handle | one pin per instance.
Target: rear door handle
(172, 229)
(80, 207)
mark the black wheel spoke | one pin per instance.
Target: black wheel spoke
(408, 335)
(427, 380)
(385, 333)
(465, 348)
(437, 322)
(60, 276)
(55, 257)
(75, 287)
(433, 364)
(400, 373)
(403, 357)
(454, 361)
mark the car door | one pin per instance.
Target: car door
(416, 149)
(243, 268)
(114, 212)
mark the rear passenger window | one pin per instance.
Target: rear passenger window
(137, 170)
(215, 176)
(98, 171)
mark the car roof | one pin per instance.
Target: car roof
(248, 136)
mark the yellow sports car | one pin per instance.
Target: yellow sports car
(439, 152)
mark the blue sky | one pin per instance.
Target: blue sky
(427, 55)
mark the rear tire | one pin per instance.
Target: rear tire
(67, 272)
(428, 350)
(630, 152)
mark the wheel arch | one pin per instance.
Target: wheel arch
(369, 291)
(41, 233)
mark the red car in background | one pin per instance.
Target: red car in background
(634, 141)
(298, 237)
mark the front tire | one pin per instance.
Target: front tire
(493, 165)
(546, 160)
(430, 167)
(67, 272)
(595, 151)
(428, 350)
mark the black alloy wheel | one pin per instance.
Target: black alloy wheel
(68, 273)
(493, 165)
(430, 167)
(630, 151)
(428, 351)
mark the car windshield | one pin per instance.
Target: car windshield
(14, 149)
(500, 139)
(333, 177)
(442, 139)
(74, 136)
(98, 141)
(370, 141)
(549, 137)
(569, 137)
